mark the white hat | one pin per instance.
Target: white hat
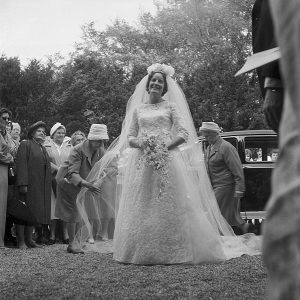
(55, 127)
(16, 125)
(98, 132)
(210, 126)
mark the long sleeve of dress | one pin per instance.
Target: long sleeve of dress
(178, 122)
(134, 126)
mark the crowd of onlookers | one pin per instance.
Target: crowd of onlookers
(255, 154)
(38, 201)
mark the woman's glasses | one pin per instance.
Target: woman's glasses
(5, 118)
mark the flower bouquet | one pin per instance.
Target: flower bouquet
(156, 155)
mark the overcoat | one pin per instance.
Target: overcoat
(34, 171)
(57, 157)
(71, 172)
(225, 171)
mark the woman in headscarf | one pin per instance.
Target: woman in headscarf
(33, 182)
(58, 152)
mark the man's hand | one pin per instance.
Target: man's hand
(272, 107)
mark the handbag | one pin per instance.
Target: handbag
(17, 208)
(12, 176)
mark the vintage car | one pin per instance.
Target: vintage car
(258, 151)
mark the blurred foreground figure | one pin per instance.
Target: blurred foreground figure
(269, 77)
(281, 243)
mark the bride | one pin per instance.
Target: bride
(166, 211)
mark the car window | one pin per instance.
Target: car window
(261, 148)
(232, 141)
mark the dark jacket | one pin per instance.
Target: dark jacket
(263, 38)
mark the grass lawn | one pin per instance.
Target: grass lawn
(51, 273)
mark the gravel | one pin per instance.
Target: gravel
(52, 273)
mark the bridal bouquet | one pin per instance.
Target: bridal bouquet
(155, 154)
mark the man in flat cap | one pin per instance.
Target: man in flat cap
(226, 174)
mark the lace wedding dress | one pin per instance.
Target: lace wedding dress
(156, 223)
(168, 217)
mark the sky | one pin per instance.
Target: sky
(38, 28)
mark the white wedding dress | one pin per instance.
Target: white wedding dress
(162, 223)
(170, 219)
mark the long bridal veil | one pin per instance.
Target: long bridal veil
(108, 172)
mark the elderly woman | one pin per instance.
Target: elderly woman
(77, 137)
(58, 152)
(6, 157)
(80, 162)
(34, 182)
(15, 132)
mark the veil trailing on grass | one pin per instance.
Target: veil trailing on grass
(201, 195)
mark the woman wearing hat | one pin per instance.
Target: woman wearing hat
(226, 174)
(81, 160)
(34, 182)
(58, 152)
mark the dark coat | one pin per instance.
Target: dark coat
(263, 38)
(34, 171)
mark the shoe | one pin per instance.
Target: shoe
(22, 246)
(51, 242)
(32, 244)
(10, 242)
(91, 241)
(42, 241)
(72, 250)
(66, 241)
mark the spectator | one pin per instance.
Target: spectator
(226, 174)
(16, 132)
(34, 182)
(273, 155)
(77, 137)
(10, 240)
(6, 157)
(58, 152)
(248, 155)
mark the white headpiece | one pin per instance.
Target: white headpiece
(55, 127)
(162, 68)
(16, 125)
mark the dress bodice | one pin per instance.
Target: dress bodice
(160, 119)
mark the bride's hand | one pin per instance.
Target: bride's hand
(143, 145)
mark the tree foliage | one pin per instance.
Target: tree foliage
(206, 41)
